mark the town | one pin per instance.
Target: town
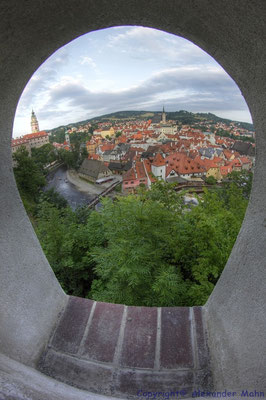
(142, 151)
(136, 200)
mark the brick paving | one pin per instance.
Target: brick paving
(118, 350)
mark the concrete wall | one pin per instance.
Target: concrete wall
(233, 32)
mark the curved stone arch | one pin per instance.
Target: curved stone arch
(31, 298)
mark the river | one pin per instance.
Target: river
(59, 182)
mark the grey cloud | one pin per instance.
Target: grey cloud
(189, 89)
(42, 79)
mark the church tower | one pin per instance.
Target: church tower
(34, 123)
(163, 121)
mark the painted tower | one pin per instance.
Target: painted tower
(163, 121)
(34, 123)
(158, 167)
(67, 139)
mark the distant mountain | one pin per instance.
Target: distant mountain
(182, 117)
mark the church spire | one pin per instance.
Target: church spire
(163, 121)
(34, 123)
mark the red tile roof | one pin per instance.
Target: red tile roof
(140, 171)
(228, 154)
(106, 147)
(137, 136)
(136, 172)
(35, 135)
(245, 160)
(218, 160)
(147, 165)
(17, 142)
(181, 164)
(225, 170)
(94, 157)
(235, 163)
(158, 160)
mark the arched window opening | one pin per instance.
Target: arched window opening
(138, 167)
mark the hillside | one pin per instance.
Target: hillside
(182, 117)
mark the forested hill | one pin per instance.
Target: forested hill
(182, 116)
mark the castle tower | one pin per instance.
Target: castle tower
(34, 123)
(163, 121)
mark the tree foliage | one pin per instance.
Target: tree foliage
(57, 135)
(211, 180)
(43, 155)
(243, 180)
(70, 158)
(224, 133)
(148, 249)
(28, 175)
(74, 158)
(53, 197)
(136, 265)
(155, 251)
(64, 239)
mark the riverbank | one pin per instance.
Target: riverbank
(82, 185)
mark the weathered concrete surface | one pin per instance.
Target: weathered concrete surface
(117, 350)
(30, 296)
(234, 33)
(19, 382)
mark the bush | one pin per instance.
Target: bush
(211, 180)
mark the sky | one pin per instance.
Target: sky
(126, 68)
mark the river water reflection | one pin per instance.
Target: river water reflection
(59, 182)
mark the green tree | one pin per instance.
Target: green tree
(138, 264)
(208, 235)
(155, 251)
(64, 239)
(70, 158)
(73, 159)
(83, 154)
(54, 198)
(77, 138)
(44, 155)
(29, 177)
(92, 128)
(242, 179)
(211, 180)
(57, 135)
(147, 249)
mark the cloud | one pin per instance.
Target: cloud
(41, 81)
(139, 33)
(88, 61)
(126, 68)
(149, 44)
(192, 89)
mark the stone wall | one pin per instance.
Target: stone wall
(234, 33)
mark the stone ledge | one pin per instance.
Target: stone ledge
(117, 350)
